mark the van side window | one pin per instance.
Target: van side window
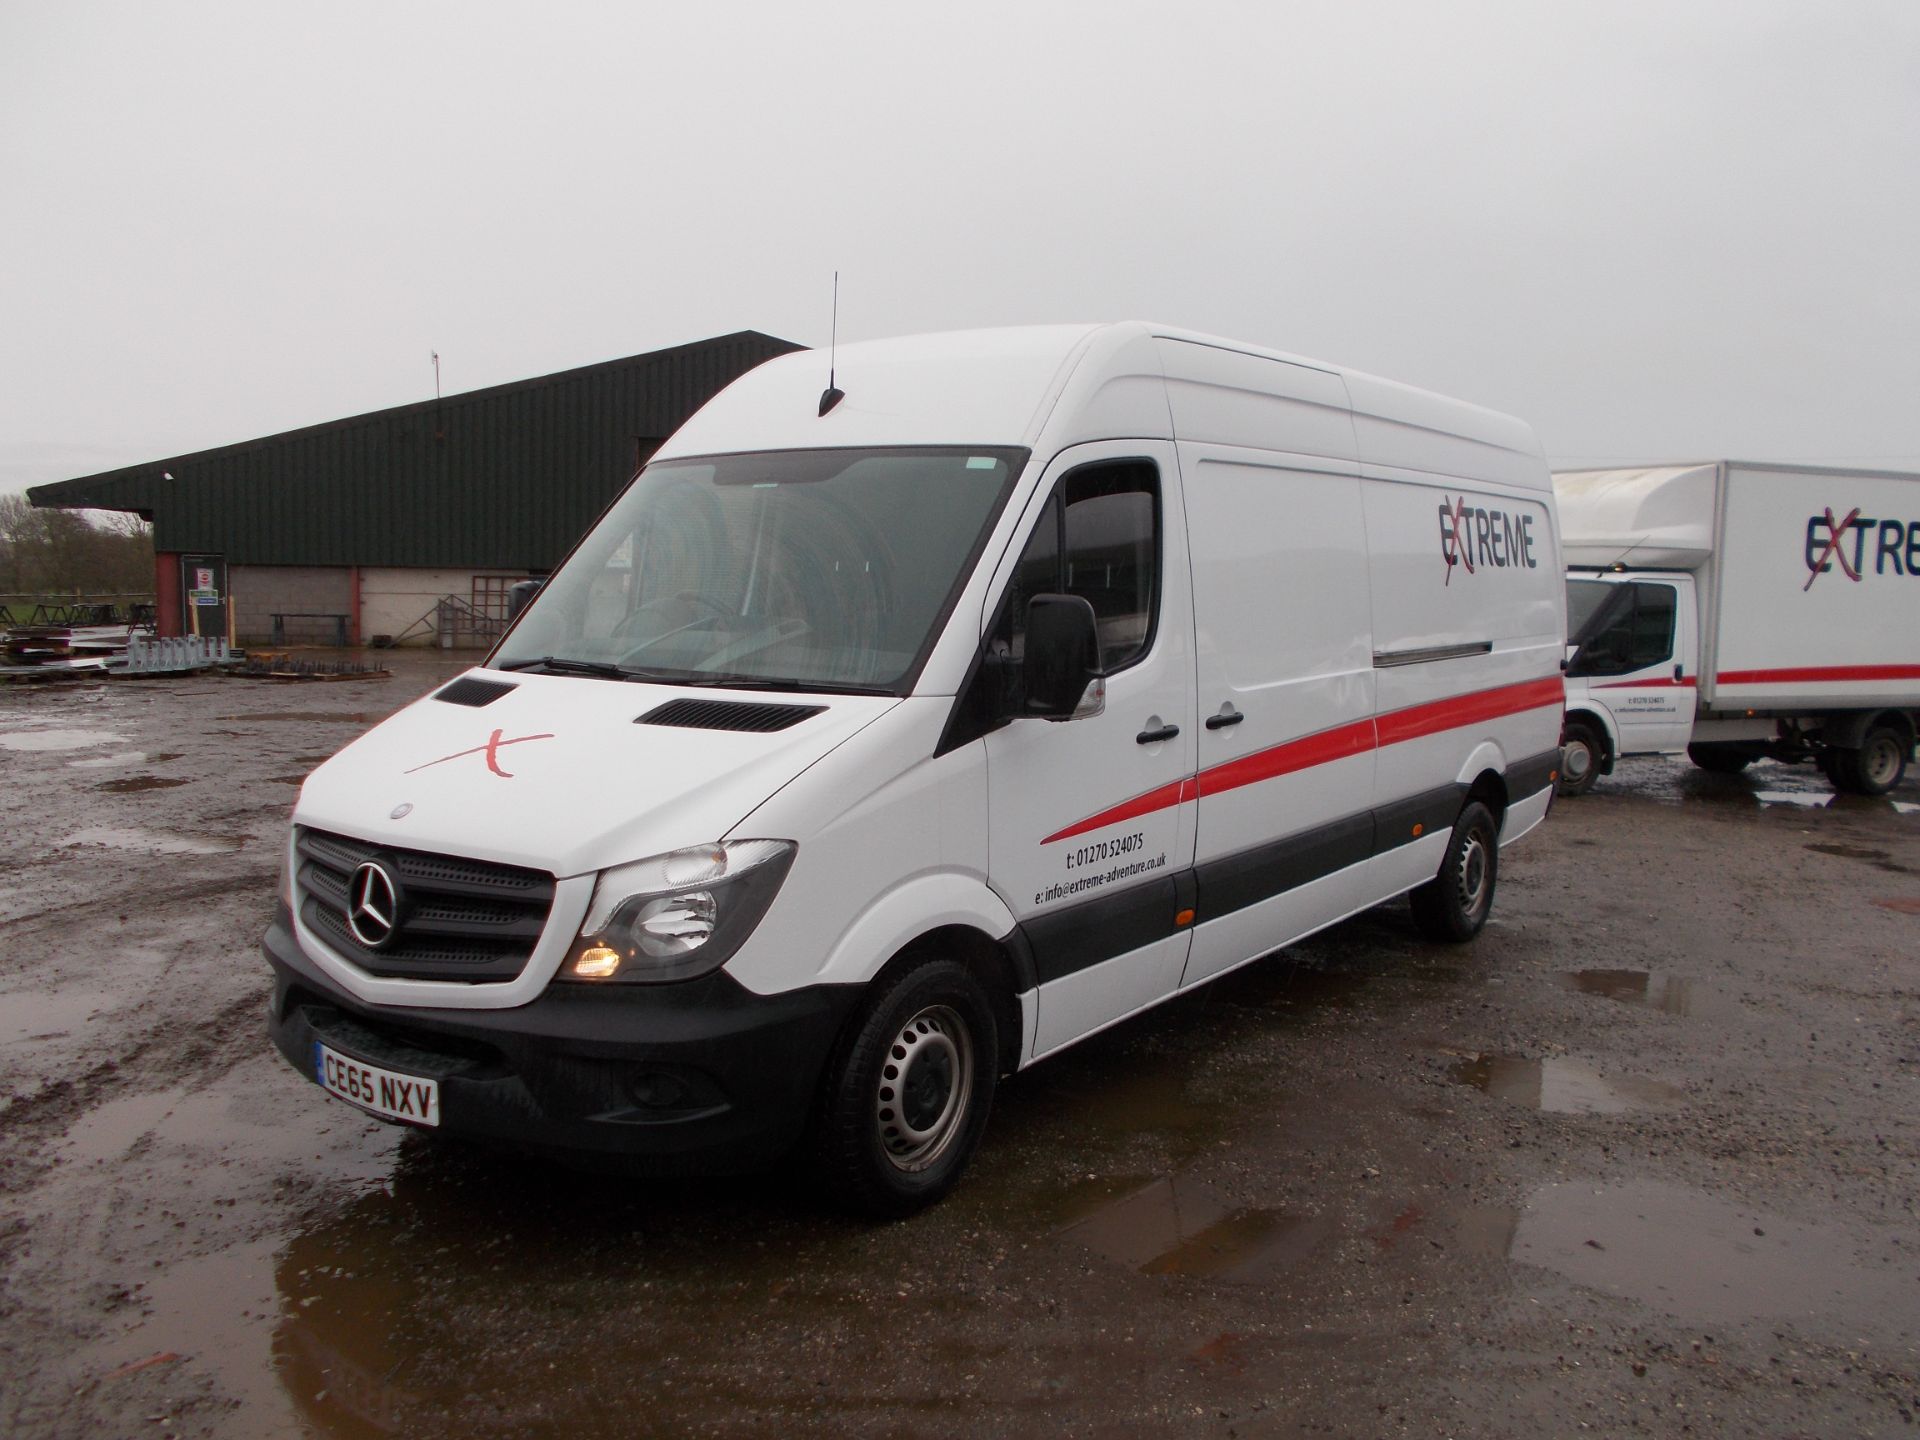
(1652, 626)
(1098, 538)
(1638, 633)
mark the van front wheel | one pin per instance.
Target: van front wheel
(1583, 752)
(905, 1101)
(1453, 905)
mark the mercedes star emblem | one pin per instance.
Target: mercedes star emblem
(373, 905)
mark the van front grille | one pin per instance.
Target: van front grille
(451, 918)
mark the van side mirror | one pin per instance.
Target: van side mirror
(1062, 661)
(520, 595)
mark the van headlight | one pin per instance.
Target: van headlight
(677, 915)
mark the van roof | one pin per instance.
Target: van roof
(1002, 387)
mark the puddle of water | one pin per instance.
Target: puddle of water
(1176, 1226)
(29, 740)
(27, 1015)
(215, 1314)
(1702, 1259)
(1668, 994)
(136, 784)
(154, 842)
(1813, 800)
(1805, 799)
(1562, 1087)
(1769, 782)
(114, 762)
(1879, 859)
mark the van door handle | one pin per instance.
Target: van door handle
(1154, 737)
(1224, 719)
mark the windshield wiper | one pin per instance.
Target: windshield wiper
(559, 664)
(735, 681)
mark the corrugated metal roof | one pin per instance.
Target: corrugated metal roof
(503, 478)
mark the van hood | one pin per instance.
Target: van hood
(557, 774)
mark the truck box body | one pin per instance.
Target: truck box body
(1805, 593)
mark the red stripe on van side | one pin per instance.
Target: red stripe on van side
(1664, 683)
(1302, 754)
(1165, 797)
(1430, 719)
(1326, 746)
(1813, 674)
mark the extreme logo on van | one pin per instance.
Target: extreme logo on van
(1829, 541)
(1471, 536)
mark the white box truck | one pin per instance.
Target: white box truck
(913, 716)
(1736, 611)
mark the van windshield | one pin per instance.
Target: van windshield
(1584, 599)
(794, 569)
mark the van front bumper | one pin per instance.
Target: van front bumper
(702, 1076)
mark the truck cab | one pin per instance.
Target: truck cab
(1632, 669)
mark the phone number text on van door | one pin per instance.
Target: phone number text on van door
(1102, 850)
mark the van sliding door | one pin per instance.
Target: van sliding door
(1286, 692)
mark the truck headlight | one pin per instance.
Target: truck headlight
(677, 915)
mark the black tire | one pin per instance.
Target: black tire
(1453, 906)
(907, 1094)
(1721, 759)
(1583, 754)
(1875, 768)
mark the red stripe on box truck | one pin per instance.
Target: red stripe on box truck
(1817, 674)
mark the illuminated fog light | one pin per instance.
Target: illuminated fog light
(597, 962)
(672, 925)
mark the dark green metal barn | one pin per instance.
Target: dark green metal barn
(344, 529)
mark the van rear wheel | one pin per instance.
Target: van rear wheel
(1453, 906)
(905, 1101)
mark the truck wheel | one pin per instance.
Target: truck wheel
(1720, 759)
(1583, 751)
(906, 1099)
(1875, 768)
(1453, 905)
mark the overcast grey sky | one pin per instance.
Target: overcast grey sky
(1678, 229)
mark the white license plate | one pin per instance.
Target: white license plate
(384, 1092)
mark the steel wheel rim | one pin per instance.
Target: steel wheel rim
(1576, 760)
(1475, 874)
(926, 1083)
(1880, 760)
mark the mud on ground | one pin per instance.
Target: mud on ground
(1642, 1158)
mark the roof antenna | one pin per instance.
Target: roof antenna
(833, 395)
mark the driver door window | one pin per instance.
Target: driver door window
(1098, 538)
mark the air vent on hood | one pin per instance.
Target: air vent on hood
(728, 715)
(472, 690)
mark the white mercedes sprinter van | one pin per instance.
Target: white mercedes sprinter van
(891, 734)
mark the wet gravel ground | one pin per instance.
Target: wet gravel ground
(1642, 1158)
